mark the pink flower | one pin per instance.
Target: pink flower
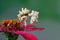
(0, 28)
(26, 35)
(30, 27)
(20, 30)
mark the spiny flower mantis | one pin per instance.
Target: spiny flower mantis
(25, 14)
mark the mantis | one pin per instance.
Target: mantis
(24, 14)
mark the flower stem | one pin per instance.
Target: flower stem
(11, 36)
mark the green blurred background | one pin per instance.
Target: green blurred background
(49, 16)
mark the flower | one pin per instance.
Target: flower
(14, 27)
(26, 35)
(11, 24)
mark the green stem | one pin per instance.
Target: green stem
(11, 36)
